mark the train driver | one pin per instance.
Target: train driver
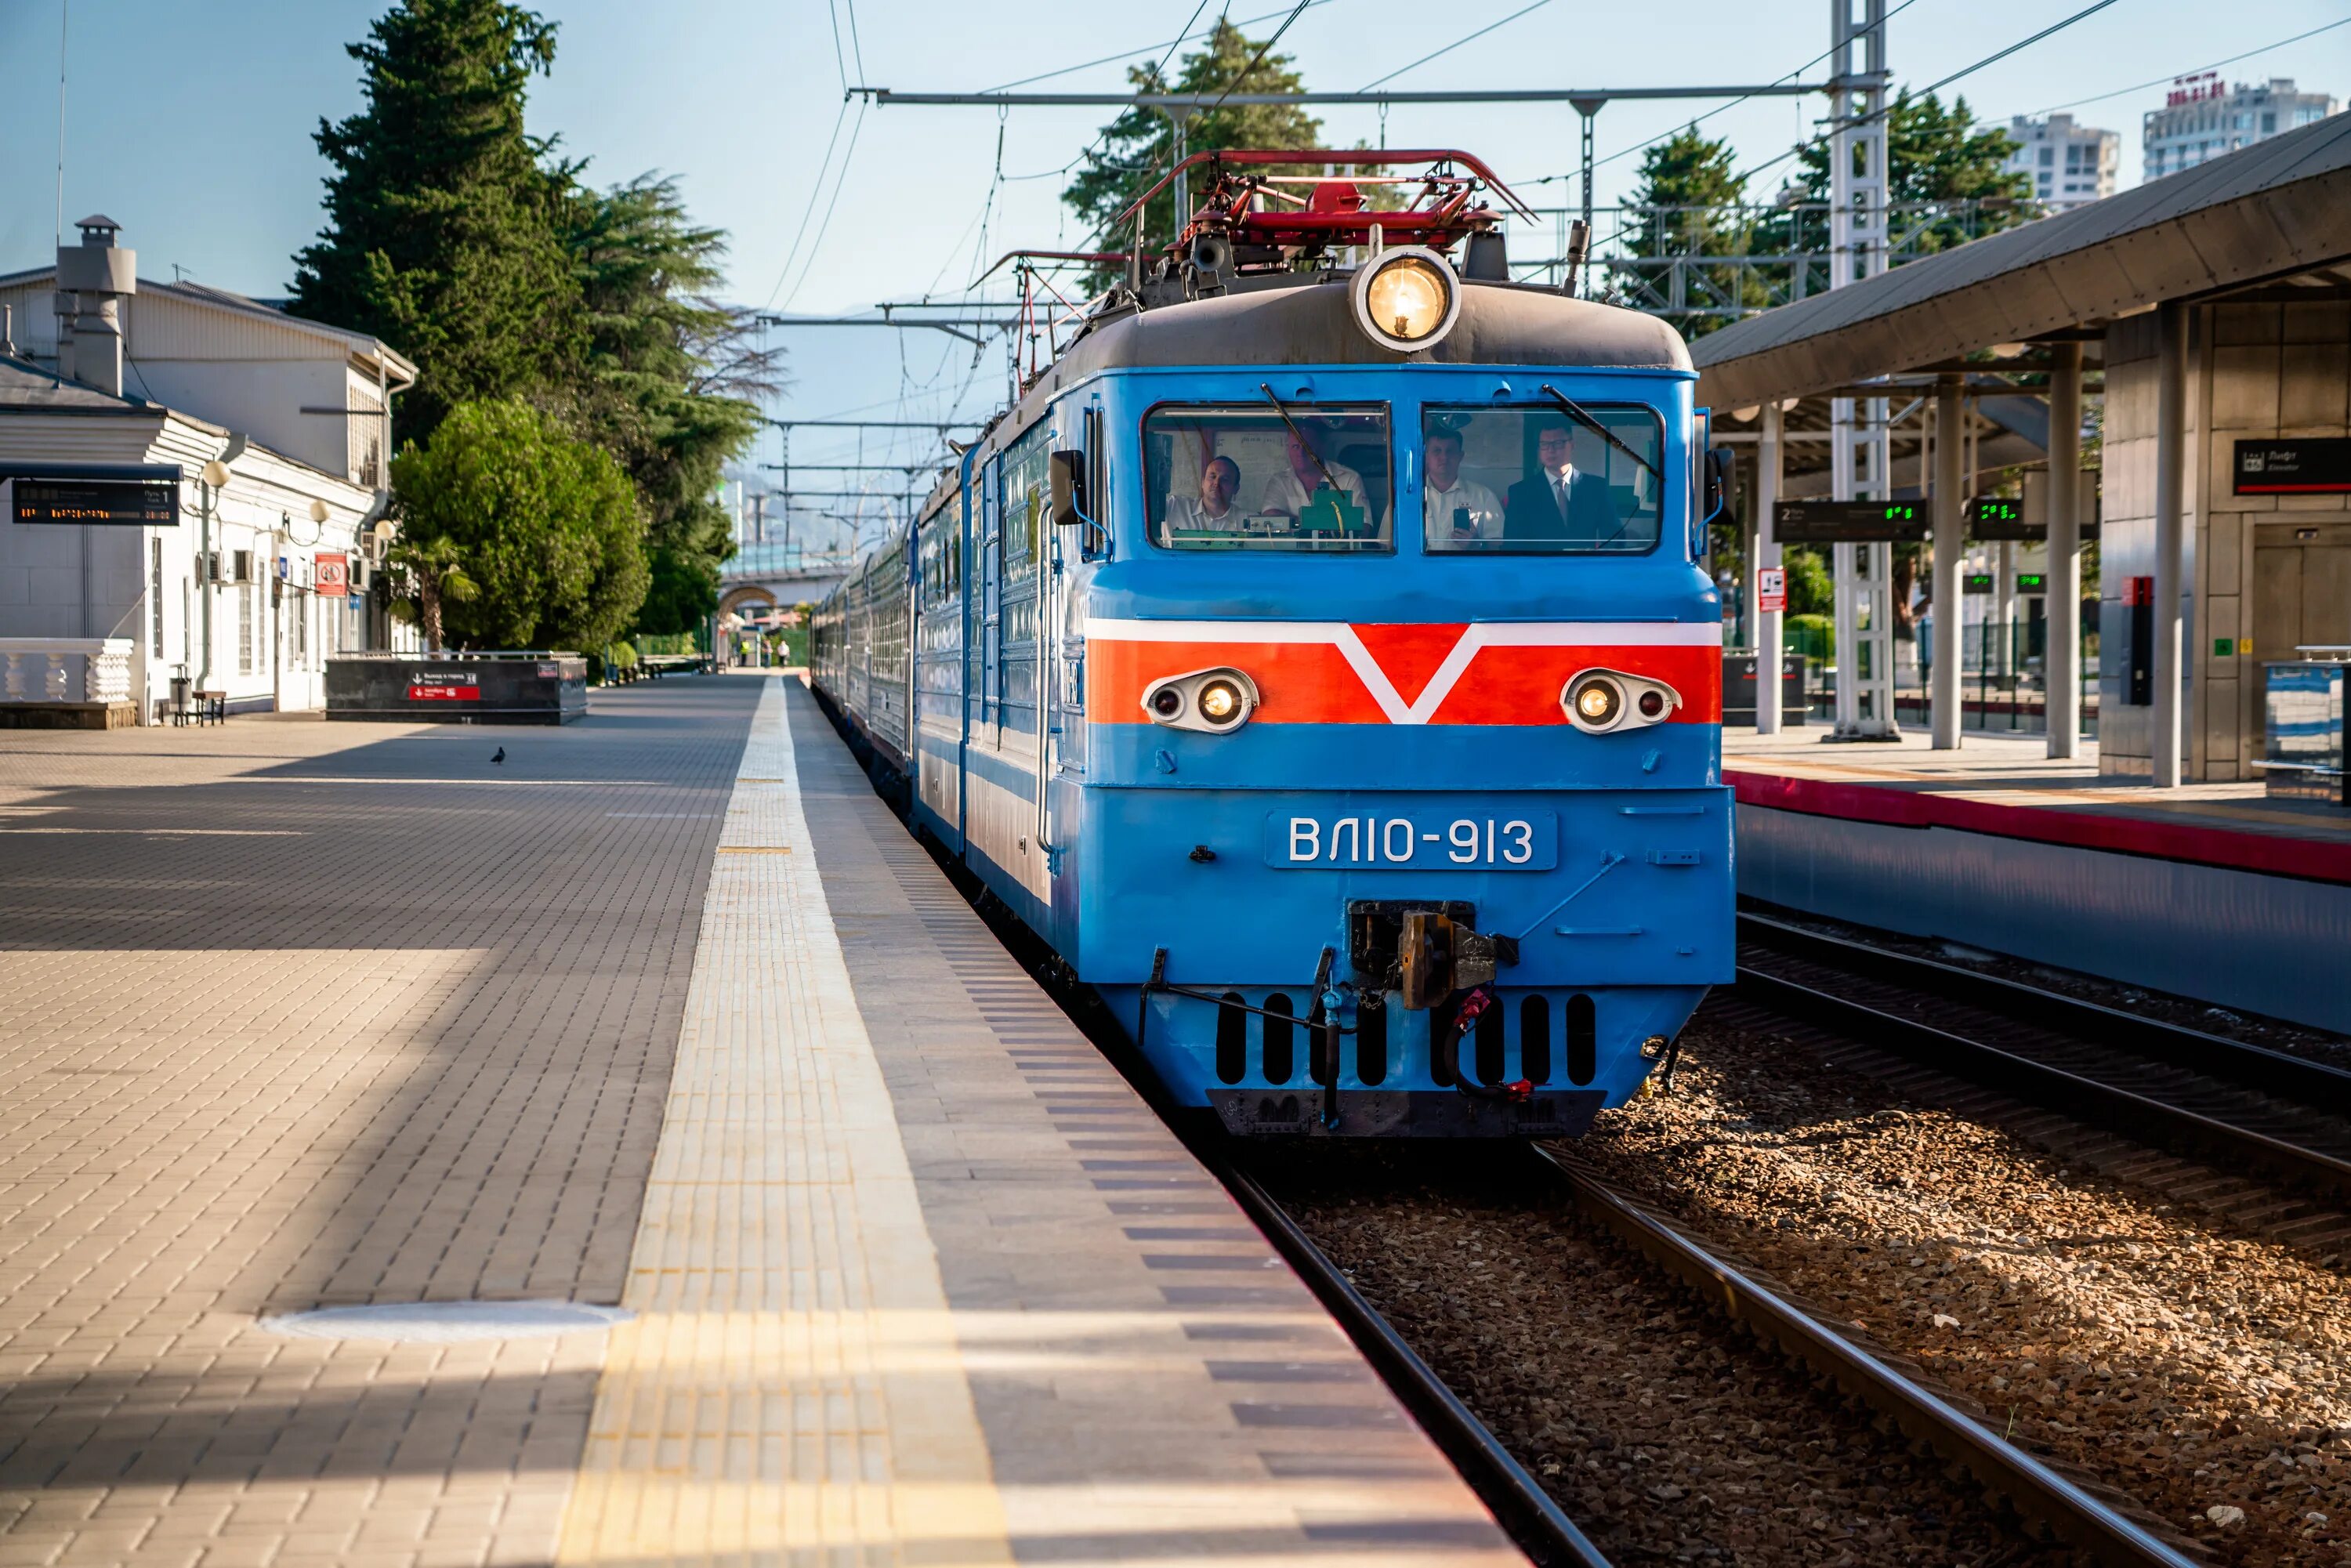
(1287, 493)
(1454, 510)
(1211, 511)
(1558, 501)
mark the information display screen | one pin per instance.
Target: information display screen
(129, 503)
(1849, 522)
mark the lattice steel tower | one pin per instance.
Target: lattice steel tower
(1859, 451)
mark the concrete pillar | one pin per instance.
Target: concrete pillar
(2171, 499)
(1767, 474)
(1950, 454)
(2061, 665)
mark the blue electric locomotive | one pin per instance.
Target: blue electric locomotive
(1347, 601)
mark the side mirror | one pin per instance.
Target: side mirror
(1068, 480)
(1717, 480)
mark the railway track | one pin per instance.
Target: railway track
(2039, 1494)
(2246, 1108)
(1539, 1525)
(2063, 1510)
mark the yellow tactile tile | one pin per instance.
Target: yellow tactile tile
(791, 1387)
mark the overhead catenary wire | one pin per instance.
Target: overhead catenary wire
(1170, 45)
(2196, 70)
(1456, 44)
(1724, 108)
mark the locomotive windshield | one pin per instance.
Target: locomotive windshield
(1534, 480)
(1303, 477)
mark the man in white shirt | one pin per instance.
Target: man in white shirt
(1287, 495)
(1211, 511)
(1453, 510)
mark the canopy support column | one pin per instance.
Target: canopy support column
(1950, 451)
(2170, 487)
(2061, 660)
(1767, 476)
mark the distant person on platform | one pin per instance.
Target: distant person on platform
(1558, 501)
(1922, 623)
(1453, 510)
(1211, 511)
(1287, 494)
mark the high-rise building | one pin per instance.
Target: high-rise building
(2071, 165)
(2203, 117)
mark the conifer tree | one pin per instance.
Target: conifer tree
(1689, 204)
(441, 233)
(1137, 149)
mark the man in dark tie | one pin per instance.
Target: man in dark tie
(1558, 502)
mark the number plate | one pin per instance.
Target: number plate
(1419, 839)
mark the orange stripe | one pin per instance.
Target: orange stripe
(1312, 683)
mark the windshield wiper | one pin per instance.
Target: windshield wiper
(1576, 411)
(1301, 434)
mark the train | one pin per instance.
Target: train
(1319, 656)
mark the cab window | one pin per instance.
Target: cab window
(1540, 481)
(1303, 478)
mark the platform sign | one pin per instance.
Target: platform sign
(1849, 522)
(1770, 590)
(2319, 466)
(1977, 583)
(334, 575)
(2001, 517)
(103, 501)
(444, 686)
(2031, 582)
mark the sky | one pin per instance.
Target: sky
(192, 126)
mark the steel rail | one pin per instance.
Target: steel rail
(1536, 1525)
(2035, 1490)
(2086, 1099)
(2299, 1079)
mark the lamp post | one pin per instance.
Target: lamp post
(209, 480)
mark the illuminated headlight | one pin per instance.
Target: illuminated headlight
(1214, 702)
(1406, 298)
(1599, 702)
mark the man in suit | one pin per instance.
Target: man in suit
(1558, 502)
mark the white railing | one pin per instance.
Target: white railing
(64, 669)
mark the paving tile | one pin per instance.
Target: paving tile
(274, 1043)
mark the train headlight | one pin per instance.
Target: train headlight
(1600, 702)
(1214, 702)
(1406, 298)
(1219, 701)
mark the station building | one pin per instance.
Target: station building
(108, 380)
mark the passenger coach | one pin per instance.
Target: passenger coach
(1348, 603)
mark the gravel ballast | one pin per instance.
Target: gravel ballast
(2196, 1368)
(1664, 1432)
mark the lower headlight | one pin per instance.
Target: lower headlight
(1217, 702)
(1595, 702)
(1601, 702)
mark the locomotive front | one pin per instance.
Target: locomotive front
(1403, 811)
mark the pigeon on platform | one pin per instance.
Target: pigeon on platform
(500, 756)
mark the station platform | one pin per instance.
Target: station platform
(665, 1015)
(2209, 890)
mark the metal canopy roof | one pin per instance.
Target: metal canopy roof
(2270, 210)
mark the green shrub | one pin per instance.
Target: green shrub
(1813, 636)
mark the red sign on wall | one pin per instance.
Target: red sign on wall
(444, 693)
(334, 573)
(1770, 590)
